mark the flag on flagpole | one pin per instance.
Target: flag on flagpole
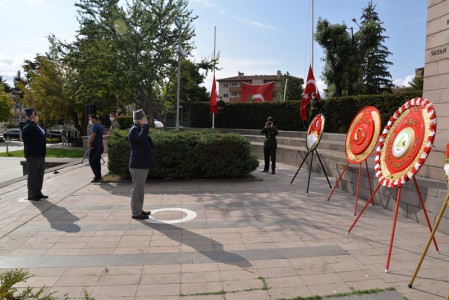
(310, 87)
(213, 98)
(257, 93)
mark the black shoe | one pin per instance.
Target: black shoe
(140, 217)
(264, 171)
(273, 172)
(35, 198)
(96, 179)
(147, 213)
(43, 196)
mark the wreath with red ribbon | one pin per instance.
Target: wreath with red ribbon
(395, 170)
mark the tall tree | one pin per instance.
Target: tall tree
(340, 51)
(6, 104)
(417, 83)
(373, 52)
(125, 50)
(6, 87)
(45, 88)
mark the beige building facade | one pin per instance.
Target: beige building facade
(436, 81)
(230, 88)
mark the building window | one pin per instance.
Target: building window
(225, 96)
(233, 95)
(234, 84)
(225, 85)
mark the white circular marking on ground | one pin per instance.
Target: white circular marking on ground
(190, 215)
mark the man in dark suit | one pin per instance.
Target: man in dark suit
(34, 151)
(140, 161)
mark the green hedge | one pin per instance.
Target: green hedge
(339, 112)
(188, 154)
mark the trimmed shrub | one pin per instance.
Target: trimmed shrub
(188, 154)
(339, 112)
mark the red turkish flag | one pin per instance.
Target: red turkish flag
(310, 87)
(257, 93)
(213, 98)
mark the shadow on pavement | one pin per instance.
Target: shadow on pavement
(197, 241)
(59, 217)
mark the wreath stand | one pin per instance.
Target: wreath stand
(401, 152)
(437, 222)
(314, 134)
(360, 141)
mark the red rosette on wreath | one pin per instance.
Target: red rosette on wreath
(405, 142)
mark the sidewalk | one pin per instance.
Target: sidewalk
(242, 234)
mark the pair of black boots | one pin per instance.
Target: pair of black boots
(272, 171)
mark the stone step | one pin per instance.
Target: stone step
(291, 150)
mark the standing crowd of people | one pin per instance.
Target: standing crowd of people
(140, 161)
(141, 156)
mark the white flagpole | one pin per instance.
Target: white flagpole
(213, 114)
(285, 89)
(313, 29)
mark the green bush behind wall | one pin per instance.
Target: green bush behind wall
(339, 112)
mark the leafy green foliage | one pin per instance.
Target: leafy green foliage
(188, 154)
(340, 70)
(294, 88)
(355, 64)
(339, 112)
(417, 83)
(6, 104)
(8, 291)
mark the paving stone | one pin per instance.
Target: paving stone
(83, 238)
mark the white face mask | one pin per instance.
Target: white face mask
(90, 122)
(111, 118)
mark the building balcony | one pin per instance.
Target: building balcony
(235, 89)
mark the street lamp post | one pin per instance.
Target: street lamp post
(179, 25)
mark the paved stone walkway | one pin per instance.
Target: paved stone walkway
(244, 235)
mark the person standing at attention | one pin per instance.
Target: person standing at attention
(95, 146)
(270, 145)
(114, 123)
(34, 151)
(140, 161)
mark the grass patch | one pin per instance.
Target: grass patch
(339, 295)
(50, 153)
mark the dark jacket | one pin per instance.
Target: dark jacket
(270, 137)
(34, 141)
(141, 148)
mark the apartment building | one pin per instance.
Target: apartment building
(230, 89)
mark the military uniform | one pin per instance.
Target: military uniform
(269, 147)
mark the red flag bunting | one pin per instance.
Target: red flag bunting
(257, 93)
(310, 87)
(213, 98)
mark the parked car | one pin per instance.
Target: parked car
(55, 133)
(12, 134)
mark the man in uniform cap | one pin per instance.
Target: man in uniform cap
(34, 151)
(140, 161)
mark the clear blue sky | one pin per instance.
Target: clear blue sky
(253, 36)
